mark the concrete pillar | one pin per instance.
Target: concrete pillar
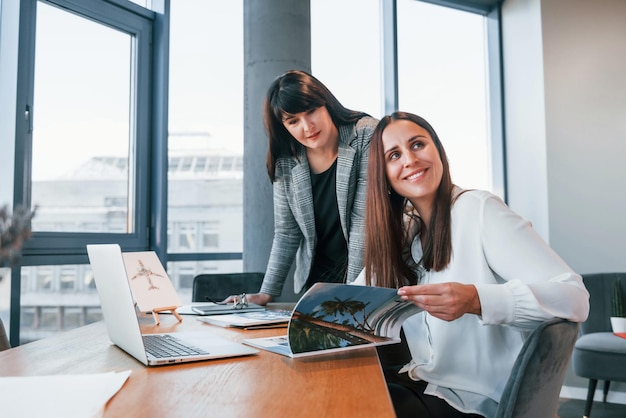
(277, 37)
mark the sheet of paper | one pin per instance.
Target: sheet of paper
(59, 396)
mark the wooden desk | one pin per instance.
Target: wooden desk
(348, 384)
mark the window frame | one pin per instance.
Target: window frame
(137, 22)
(491, 10)
(150, 30)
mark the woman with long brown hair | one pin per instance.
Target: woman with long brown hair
(481, 274)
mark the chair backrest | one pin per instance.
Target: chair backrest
(601, 288)
(217, 287)
(535, 382)
(4, 338)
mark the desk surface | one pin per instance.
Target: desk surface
(349, 384)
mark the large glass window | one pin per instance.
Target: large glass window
(442, 76)
(56, 298)
(441, 72)
(83, 126)
(205, 176)
(83, 150)
(345, 51)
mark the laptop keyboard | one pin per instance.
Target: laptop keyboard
(161, 346)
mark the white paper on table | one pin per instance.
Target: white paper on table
(62, 396)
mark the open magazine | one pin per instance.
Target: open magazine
(332, 317)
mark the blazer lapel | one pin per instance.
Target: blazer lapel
(345, 184)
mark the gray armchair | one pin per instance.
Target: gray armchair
(598, 353)
(534, 385)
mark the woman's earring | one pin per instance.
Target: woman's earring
(388, 190)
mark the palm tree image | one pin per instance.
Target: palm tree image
(337, 307)
(338, 323)
(304, 336)
(335, 316)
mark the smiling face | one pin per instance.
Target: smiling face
(413, 164)
(314, 128)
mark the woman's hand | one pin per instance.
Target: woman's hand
(257, 298)
(447, 301)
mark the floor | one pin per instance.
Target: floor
(574, 408)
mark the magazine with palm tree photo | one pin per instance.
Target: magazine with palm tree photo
(332, 317)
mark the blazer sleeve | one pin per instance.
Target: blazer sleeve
(287, 238)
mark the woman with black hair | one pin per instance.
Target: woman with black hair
(317, 163)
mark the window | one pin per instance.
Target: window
(62, 297)
(69, 279)
(186, 237)
(45, 278)
(442, 73)
(210, 235)
(442, 76)
(83, 130)
(182, 273)
(205, 178)
(86, 97)
(345, 51)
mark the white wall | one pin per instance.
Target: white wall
(565, 118)
(585, 78)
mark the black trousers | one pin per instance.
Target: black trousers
(409, 399)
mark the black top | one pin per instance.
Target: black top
(331, 251)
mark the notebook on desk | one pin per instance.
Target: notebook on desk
(120, 316)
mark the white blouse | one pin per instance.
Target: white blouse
(520, 281)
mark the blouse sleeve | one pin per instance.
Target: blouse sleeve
(537, 283)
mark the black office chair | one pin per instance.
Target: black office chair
(4, 339)
(533, 388)
(217, 287)
(598, 353)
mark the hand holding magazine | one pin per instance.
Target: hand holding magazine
(333, 317)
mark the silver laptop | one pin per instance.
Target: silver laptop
(120, 316)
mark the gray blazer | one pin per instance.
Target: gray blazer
(294, 221)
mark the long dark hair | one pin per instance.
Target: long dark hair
(290, 93)
(388, 238)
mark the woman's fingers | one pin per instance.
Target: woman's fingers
(446, 301)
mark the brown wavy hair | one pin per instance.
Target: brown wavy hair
(390, 221)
